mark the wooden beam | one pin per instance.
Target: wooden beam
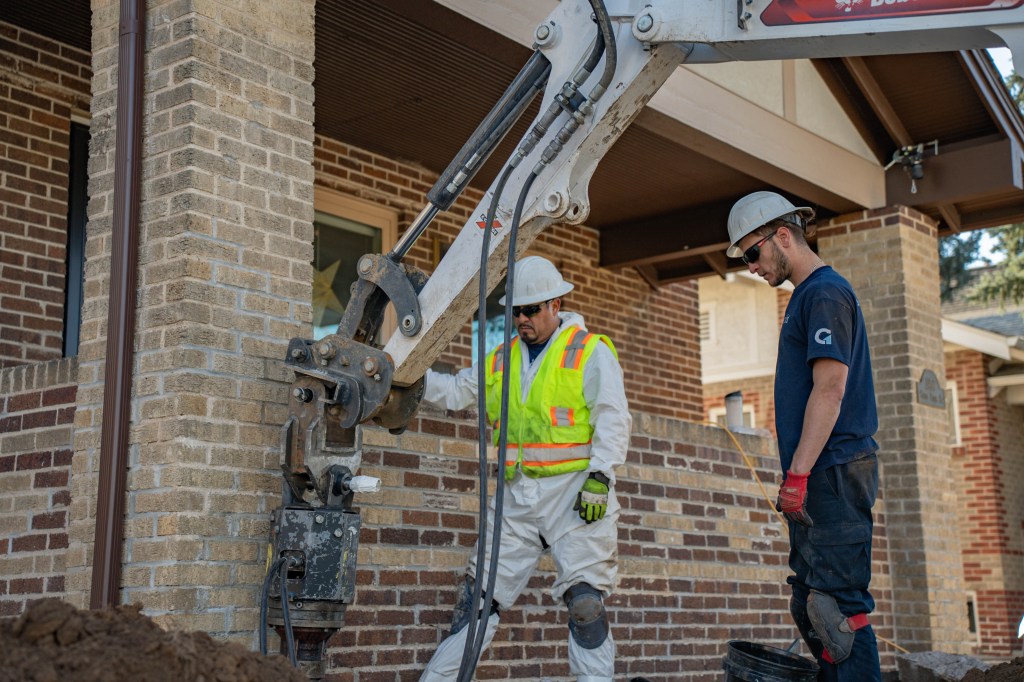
(649, 275)
(950, 216)
(965, 174)
(878, 101)
(711, 120)
(718, 262)
(691, 232)
(839, 82)
(989, 84)
(682, 273)
(992, 217)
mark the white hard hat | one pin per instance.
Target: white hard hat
(537, 280)
(756, 210)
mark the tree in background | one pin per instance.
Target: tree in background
(958, 252)
(1006, 284)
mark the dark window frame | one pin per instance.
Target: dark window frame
(74, 265)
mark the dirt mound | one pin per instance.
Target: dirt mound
(53, 641)
(1004, 672)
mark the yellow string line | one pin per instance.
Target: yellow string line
(891, 643)
(771, 505)
(750, 465)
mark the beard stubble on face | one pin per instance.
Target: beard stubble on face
(781, 270)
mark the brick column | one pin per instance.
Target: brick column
(890, 257)
(224, 282)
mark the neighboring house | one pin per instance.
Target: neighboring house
(984, 395)
(985, 376)
(279, 140)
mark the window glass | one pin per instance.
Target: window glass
(495, 329)
(78, 199)
(338, 244)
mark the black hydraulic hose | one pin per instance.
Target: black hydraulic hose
(585, 107)
(499, 497)
(286, 617)
(480, 612)
(595, 55)
(604, 22)
(468, 667)
(481, 406)
(264, 598)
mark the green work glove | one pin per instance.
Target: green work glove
(592, 499)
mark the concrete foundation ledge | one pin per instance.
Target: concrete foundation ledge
(936, 666)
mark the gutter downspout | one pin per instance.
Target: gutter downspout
(117, 390)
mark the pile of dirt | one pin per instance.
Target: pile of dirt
(53, 642)
(1012, 671)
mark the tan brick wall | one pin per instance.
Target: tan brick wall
(888, 255)
(37, 407)
(702, 559)
(41, 84)
(989, 464)
(224, 283)
(656, 333)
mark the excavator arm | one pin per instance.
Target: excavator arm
(652, 38)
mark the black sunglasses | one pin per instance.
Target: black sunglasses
(754, 252)
(528, 310)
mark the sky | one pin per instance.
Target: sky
(1001, 56)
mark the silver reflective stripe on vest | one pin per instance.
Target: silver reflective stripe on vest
(574, 349)
(539, 455)
(561, 416)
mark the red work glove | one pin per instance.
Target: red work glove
(793, 498)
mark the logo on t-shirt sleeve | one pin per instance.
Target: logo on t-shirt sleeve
(823, 336)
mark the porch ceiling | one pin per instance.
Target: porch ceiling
(410, 80)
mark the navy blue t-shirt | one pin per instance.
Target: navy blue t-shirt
(824, 320)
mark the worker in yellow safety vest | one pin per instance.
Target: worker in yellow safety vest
(568, 429)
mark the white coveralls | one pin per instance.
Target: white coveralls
(536, 508)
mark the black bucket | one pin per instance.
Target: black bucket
(749, 662)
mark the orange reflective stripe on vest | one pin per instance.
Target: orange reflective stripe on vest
(573, 353)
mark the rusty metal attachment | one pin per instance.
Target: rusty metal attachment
(382, 280)
(342, 381)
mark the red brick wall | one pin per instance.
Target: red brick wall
(702, 560)
(37, 409)
(991, 520)
(656, 333)
(43, 82)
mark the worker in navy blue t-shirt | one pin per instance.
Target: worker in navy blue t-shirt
(825, 421)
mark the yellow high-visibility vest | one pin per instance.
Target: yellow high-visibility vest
(550, 433)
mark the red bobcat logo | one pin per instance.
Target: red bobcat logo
(496, 225)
